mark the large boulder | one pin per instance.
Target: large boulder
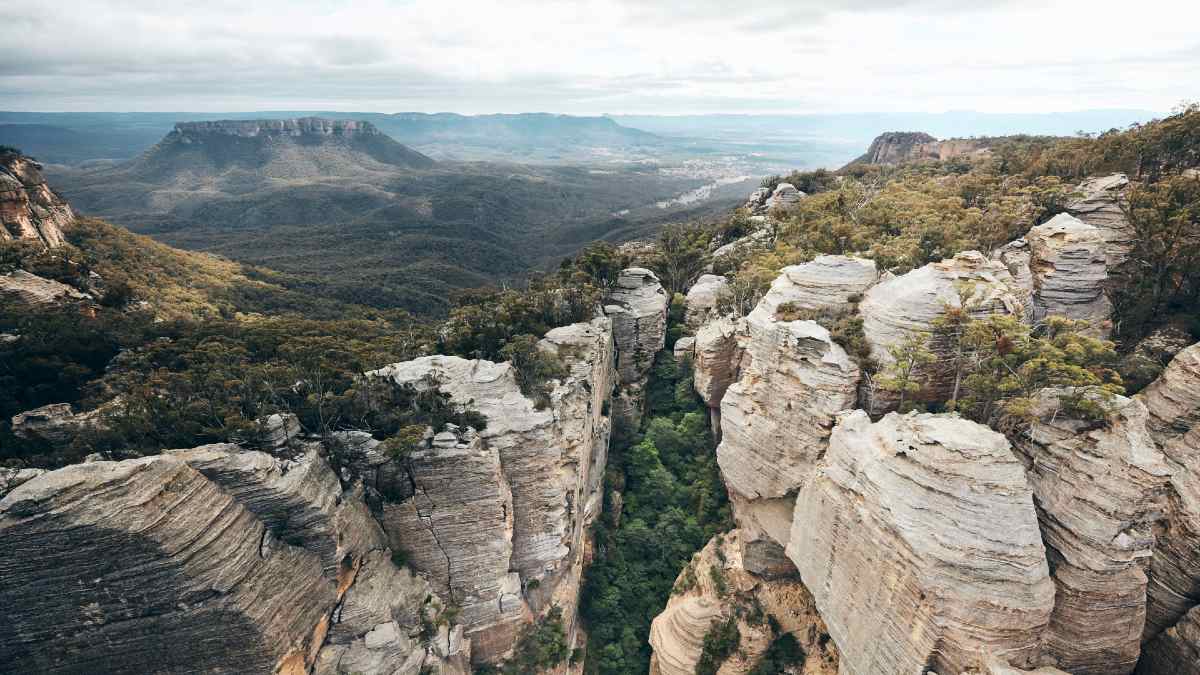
(148, 566)
(29, 209)
(783, 196)
(828, 283)
(699, 600)
(637, 305)
(907, 305)
(1173, 401)
(1100, 202)
(1067, 260)
(498, 518)
(55, 423)
(918, 538)
(33, 291)
(1099, 490)
(703, 298)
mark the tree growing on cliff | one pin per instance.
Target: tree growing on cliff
(903, 375)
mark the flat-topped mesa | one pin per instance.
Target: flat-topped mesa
(303, 126)
(918, 538)
(907, 306)
(1099, 491)
(29, 209)
(1069, 272)
(1101, 202)
(1173, 401)
(497, 518)
(637, 305)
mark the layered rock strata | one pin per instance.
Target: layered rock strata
(677, 634)
(637, 305)
(905, 306)
(36, 292)
(1173, 402)
(1100, 202)
(29, 209)
(703, 298)
(497, 518)
(918, 538)
(1099, 490)
(1069, 269)
(1176, 651)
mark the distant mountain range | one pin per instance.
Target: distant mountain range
(355, 215)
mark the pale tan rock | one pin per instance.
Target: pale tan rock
(1101, 203)
(637, 305)
(903, 306)
(29, 209)
(827, 283)
(488, 514)
(703, 298)
(1067, 260)
(918, 538)
(1173, 402)
(34, 291)
(146, 565)
(1099, 489)
(716, 361)
(677, 634)
(684, 348)
(55, 423)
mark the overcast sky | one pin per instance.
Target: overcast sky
(614, 56)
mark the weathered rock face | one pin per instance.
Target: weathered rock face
(1173, 401)
(166, 572)
(1101, 204)
(381, 627)
(918, 538)
(1098, 492)
(756, 203)
(702, 299)
(677, 634)
(1069, 269)
(784, 195)
(898, 147)
(828, 282)
(757, 240)
(314, 126)
(34, 291)
(55, 423)
(484, 515)
(776, 418)
(716, 360)
(1176, 651)
(907, 305)
(637, 306)
(29, 209)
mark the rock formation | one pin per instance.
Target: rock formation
(637, 305)
(1100, 203)
(498, 519)
(55, 423)
(677, 634)
(716, 359)
(756, 203)
(1176, 651)
(1173, 401)
(828, 283)
(918, 538)
(784, 195)
(907, 305)
(702, 299)
(33, 291)
(29, 209)
(1098, 489)
(898, 147)
(1068, 265)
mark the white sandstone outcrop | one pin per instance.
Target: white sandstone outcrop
(716, 359)
(1173, 401)
(907, 305)
(1099, 489)
(1101, 204)
(831, 283)
(637, 305)
(677, 634)
(918, 538)
(1067, 261)
(36, 292)
(29, 209)
(783, 196)
(703, 298)
(485, 515)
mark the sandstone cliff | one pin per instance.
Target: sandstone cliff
(498, 518)
(898, 147)
(637, 306)
(1069, 271)
(1100, 202)
(29, 209)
